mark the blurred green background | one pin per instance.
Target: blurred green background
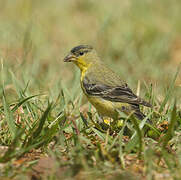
(139, 39)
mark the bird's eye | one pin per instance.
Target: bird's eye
(81, 53)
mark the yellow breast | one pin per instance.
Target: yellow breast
(104, 107)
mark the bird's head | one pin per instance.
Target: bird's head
(83, 56)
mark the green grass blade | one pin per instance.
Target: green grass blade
(23, 101)
(139, 133)
(170, 90)
(42, 121)
(9, 118)
(99, 134)
(169, 159)
(119, 136)
(171, 126)
(84, 119)
(135, 139)
(12, 149)
(17, 84)
(34, 133)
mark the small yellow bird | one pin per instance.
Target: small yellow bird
(105, 90)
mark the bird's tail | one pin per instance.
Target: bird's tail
(138, 114)
(143, 102)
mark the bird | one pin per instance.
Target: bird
(104, 89)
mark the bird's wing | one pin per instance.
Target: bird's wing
(120, 93)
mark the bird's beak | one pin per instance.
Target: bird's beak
(70, 58)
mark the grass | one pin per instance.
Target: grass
(48, 130)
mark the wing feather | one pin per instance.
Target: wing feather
(112, 93)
